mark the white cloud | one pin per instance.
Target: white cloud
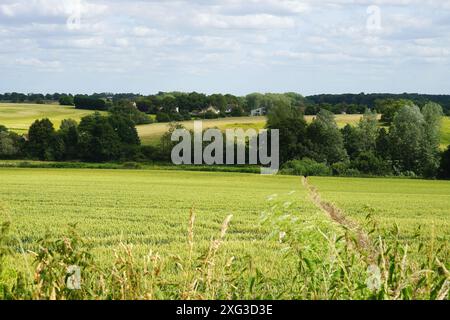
(197, 43)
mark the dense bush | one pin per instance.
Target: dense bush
(305, 167)
(127, 110)
(66, 100)
(90, 103)
(444, 170)
(162, 117)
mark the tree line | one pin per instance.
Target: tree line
(407, 145)
(177, 106)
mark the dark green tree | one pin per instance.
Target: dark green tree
(68, 132)
(98, 140)
(406, 139)
(444, 169)
(325, 138)
(382, 148)
(430, 159)
(43, 142)
(292, 127)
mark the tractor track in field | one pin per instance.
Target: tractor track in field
(363, 242)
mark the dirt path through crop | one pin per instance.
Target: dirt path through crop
(363, 241)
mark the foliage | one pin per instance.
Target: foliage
(66, 100)
(432, 114)
(90, 103)
(444, 169)
(98, 139)
(406, 136)
(127, 110)
(326, 141)
(390, 107)
(43, 142)
(292, 127)
(305, 167)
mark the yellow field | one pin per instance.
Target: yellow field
(150, 134)
(19, 117)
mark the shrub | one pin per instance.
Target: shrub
(306, 167)
(131, 165)
(444, 170)
(369, 163)
(66, 101)
(162, 117)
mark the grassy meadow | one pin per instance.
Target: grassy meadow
(277, 245)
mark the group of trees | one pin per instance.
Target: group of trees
(409, 146)
(96, 138)
(339, 103)
(168, 103)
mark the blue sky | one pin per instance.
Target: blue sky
(229, 46)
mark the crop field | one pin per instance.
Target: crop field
(279, 244)
(408, 203)
(147, 208)
(150, 134)
(19, 117)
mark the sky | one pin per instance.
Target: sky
(227, 46)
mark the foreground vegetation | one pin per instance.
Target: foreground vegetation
(137, 236)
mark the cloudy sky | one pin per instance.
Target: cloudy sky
(236, 46)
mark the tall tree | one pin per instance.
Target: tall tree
(327, 143)
(444, 170)
(43, 143)
(68, 132)
(406, 138)
(292, 126)
(432, 114)
(98, 139)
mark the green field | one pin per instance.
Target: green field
(150, 210)
(408, 203)
(19, 117)
(147, 208)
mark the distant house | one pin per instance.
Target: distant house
(229, 110)
(259, 112)
(211, 109)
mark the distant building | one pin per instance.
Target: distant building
(211, 109)
(259, 112)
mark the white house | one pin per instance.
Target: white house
(211, 109)
(259, 112)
